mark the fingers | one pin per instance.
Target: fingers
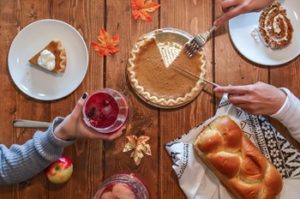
(227, 4)
(235, 11)
(236, 90)
(230, 14)
(115, 135)
(78, 108)
(238, 99)
(93, 134)
(251, 108)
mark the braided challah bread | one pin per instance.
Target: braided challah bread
(235, 160)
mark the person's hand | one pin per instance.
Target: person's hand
(258, 98)
(232, 8)
(73, 126)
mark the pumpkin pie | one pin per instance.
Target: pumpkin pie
(162, 85)
(275, 27)
(52, 57)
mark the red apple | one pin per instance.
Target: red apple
(60, 171)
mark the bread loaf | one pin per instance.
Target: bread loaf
(236, 161)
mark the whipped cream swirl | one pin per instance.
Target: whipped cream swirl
(47, 60)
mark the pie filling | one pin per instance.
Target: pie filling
(161, 84)
(52, 57)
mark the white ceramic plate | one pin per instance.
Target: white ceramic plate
(38, 83)
(240, 29)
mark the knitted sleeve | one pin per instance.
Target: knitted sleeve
(289, 114)
(21, 162)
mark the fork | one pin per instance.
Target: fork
(198, 41)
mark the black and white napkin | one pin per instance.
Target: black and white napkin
(196, 180)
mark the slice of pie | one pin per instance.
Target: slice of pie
(162, 85)
(52, 57)
(275, 27)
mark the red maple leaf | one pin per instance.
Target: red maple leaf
(142, 8)
(106, 43)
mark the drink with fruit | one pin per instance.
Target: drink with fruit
(105, 111)
(122, 186)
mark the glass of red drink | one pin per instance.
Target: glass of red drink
(122, 186)
(105, 111)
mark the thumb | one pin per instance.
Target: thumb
(219, 21)
(235, 11)
(78, 108)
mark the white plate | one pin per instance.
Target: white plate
(38, 83)
(240, 29)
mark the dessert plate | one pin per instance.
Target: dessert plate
(36, 82)
(242, 28)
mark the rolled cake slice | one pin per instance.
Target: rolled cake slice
(274, 26)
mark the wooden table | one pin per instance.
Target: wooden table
(96, 160)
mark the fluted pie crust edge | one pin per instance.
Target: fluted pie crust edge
(160, 101)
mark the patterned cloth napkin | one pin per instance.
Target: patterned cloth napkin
(198, 182)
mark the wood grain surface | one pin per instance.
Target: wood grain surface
(193, 17)
(95, 160)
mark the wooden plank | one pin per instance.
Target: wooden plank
(193, 17)
(8, 30)
(86, 17)
(287, 76)
(231, 67)
(142, 118)
(28, 108)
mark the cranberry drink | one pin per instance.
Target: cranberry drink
(105, 111)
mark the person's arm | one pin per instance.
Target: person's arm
(233, 8)
(265, 99)
(289, 114)
(20, 162)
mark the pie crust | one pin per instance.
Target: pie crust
(55, 47)
(161, 85)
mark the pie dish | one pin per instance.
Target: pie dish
(161, 82)
(275, 27)
(52, 57)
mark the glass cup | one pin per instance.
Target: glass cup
(122, 186)
(105, 111)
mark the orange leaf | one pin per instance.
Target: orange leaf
(142, 8)
(106, 43)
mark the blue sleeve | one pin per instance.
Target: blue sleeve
(21, 162)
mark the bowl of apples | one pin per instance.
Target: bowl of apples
(122, 186)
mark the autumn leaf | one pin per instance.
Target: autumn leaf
(142, 8)
(138, 146)
(106, 44)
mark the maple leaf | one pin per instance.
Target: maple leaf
(142, 8)
(106, 43)
(138, 146)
